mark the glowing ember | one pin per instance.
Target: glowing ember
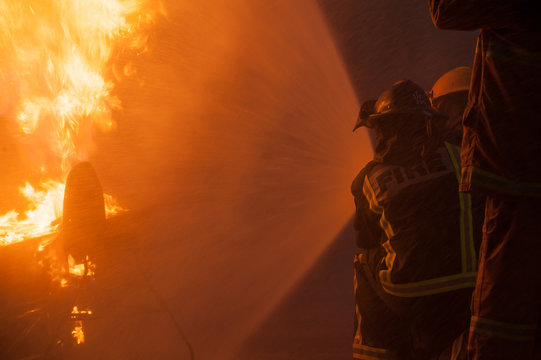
(85, 269)
(112, 207)
(78, 333)
(59, 57)
(75, 313)
(75, 269)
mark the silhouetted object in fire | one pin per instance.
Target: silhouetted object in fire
(83, 230)
(70, 286)
(418, 237)
(84, 212)
(52, 313)
(449, 96)
(83, 233)
(500, 157)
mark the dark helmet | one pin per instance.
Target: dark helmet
(404, 97)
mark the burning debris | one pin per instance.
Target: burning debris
(60, 61)
(78, 316)
(78, 333)
(69, 259)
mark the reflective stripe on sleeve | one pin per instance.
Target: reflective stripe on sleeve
(454, 154)
(485, 179)
(357, 338)
(504, 330)
(377, 208)
(385, 275)
(365, 352)
(467, 243)
(430, 287)
(513, 54)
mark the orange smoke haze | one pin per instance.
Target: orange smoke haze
(236, 136)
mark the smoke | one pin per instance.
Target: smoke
(235, 153)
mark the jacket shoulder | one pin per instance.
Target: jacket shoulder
(358, 182)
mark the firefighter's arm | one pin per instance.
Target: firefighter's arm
(473, 14)
(366, 224)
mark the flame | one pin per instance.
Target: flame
(112, 207)
(64, 277)
(43, 214)
(58, 59)
(39, 219)
(78, 333)
(75, 269)
(85, 269)
(76, 312)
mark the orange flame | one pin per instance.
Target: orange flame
(58, 59)
(78, 333)
(85, 269)
(39, 219)
(75, 269)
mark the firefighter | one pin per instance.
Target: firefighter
(417, 264)
(500, 157)
(449, 96)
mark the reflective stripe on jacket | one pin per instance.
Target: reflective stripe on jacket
(426, 226)
(504, 330)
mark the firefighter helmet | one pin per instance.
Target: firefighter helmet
(453, 81)
(404, 97)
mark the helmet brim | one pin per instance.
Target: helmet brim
(373, 119)
(388, 114)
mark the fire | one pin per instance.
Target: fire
(76, 313)
(60, 59)
(75, 269)
(39, 219)
(85, 269)
(43, 214)
(112, 207)
(78, 333)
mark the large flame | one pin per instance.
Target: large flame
(60, 59)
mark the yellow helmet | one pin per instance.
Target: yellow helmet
(452, 81)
